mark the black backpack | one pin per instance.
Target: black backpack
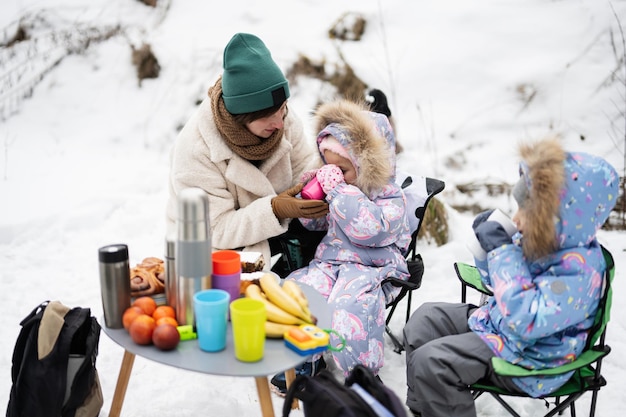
(54, 364)
(323, 395)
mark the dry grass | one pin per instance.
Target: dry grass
(343, 78)
(20, 35)
(146, 63)
(435, 223)
(349, 27)
(151, 3)
(493, 188)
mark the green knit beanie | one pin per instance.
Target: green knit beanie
(251, 81)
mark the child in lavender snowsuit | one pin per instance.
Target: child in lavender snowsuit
(547, 283)
(367, 229)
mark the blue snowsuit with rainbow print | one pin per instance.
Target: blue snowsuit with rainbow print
(541, 309)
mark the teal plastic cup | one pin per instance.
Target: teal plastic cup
(211, 314)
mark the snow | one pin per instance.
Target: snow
(84, 159)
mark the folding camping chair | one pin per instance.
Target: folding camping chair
(419, 193)
(587, 367)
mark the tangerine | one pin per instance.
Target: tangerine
(164, 311)
(168, 320)
(147, 304)
(130, 314)
(141, 329)
(165, 337)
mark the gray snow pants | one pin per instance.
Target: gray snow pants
(444, 357)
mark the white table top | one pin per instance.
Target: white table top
(187, 355)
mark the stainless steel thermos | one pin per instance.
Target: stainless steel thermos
(171, 279)
(193, 251)
(114, 283)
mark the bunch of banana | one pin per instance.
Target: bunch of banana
(286, 306)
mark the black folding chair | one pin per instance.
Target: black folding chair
(420, 192)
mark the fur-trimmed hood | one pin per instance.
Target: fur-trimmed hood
(562, 212)
(367, 137)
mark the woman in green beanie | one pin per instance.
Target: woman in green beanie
(246, 150)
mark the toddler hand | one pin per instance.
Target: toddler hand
(329, 176)
(491, 235)
(307, 176)
(481, 218)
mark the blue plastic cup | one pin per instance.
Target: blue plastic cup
(211, 314)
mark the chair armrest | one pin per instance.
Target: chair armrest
(469, 276)
(504, 368)
(396, 282)
(416, 271)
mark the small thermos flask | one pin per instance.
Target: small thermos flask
(171, 279)
(193, 251)
(114, 283)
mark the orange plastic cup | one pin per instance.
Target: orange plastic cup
(226, 262)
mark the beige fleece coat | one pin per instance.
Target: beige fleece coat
(239, 193)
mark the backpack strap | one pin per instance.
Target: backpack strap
(32, 319)
(36, 311)
(296, 390)
(84, 385)
(322, 394)
(364, 377)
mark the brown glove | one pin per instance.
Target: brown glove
(286, 206)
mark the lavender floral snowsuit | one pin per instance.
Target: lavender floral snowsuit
(367, 236)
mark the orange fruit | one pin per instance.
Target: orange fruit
(168, 320)
(141, 329)
(147, 304)
(165, 336)
(130, 314)
(164, 311)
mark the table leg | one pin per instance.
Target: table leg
(122, 383)
(263, 389)
(290, 376)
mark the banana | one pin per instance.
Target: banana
(277, 330)
(277, 295)
(295, 291)
(273, 312)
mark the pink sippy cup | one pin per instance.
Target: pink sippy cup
(312, 190)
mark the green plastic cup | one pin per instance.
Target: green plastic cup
(248, 320)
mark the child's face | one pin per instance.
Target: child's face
(349, 173)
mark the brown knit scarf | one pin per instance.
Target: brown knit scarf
(238, 138)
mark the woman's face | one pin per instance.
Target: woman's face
(519, 220)
(265, 126)
(349, 172)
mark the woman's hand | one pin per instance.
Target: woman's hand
(287, 206)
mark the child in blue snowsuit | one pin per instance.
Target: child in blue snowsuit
(547, 283)
(367, 229)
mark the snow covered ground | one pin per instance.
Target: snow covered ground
(84, 159)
